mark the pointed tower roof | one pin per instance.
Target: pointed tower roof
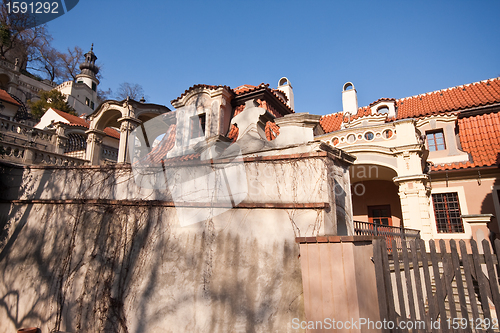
(89, 67)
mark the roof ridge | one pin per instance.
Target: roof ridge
(201, 85)
(446, 89)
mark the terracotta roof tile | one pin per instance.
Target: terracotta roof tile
(383, 99)
(75, 120)
(159, 152)
(451, 99)
(479, 137)
(233, 132)
(249, 88)
(4, 96)
(446, 100)
(246, 88)
(243, 88)
(208, 86)
(272, 130)
(331, 122)
(112, 132)
(71, 118)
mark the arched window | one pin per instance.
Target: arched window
(383, 109)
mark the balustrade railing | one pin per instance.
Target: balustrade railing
(388, 232)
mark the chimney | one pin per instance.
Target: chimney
(349, 98)
(285, 86)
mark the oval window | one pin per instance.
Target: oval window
(369, 136)
(387, 134)
(351, 138)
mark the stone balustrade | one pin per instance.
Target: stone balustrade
(26, 155)
(109, 153)
(26, 132)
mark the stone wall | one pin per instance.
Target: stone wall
(85, 250)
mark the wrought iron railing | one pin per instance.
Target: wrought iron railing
(390, 233)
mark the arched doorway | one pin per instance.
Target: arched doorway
(375, 197)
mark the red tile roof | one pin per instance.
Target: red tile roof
(452, 99)
(75, 120)
(331, 122)
(382, 100)
(479, 135)
(4, 96)
(159, 152)
(233, 132)
(244, 88)
(208, 86)
(272, 130)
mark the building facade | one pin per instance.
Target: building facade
(428, 162)
(81, 94)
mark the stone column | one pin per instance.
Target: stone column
(61, 140)
(94, 146)
(415, 203)
(127, 125)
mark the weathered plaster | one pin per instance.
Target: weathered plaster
(114, 259)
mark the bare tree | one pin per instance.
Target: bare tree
(134, 91)
(70, 63)
(103, 95)
(46, 59)
(19, 38)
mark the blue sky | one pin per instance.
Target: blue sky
(386, 48)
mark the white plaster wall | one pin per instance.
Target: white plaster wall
(95, 267)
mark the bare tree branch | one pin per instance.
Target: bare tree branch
(134, 91)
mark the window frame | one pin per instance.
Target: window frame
(197, 132)
(379, 207)
(450, 225)
(436, 146)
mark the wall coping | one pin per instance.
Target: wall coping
(334, 239)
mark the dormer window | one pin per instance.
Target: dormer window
(435, 140)
(198, 126)
(385, 106)
(384, 109)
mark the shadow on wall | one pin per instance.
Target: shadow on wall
(490, 202)
(113, 268)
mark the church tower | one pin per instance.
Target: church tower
(89, 70)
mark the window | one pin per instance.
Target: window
(383, 109)
(198, 126)
(92, 105)
(87, 101)
(447, 212)
(76, 142)
(435, 140)
(94, 86)
(387, 134)
(380, 214)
